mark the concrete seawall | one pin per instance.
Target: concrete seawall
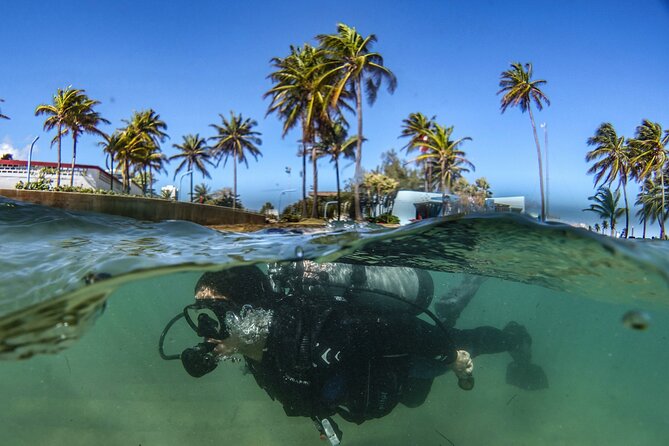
(151, 209)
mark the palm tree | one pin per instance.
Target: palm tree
(650, 146)
(129, 153)
(521, 91)
(82, 119)
(613, 161)
(152, 159)
(58, 115)
(353, 66)
(446, 153)
(195, 154)
(112, 145)
(605, 205)
(299, 96)
(482, 190)
(236, 137)
(144, 133)
(650, 200)
(335, 142)
(416, 127)
(605, 226)
(597, 227)
(1, 115)
(202, 194)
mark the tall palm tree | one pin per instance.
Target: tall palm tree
(235, 138)
(353, 66)
(152, 159)
(613, 161)
(145, 131)
(650, 200)
(445, 151)
(605, 205)
(112, 145)
(415, 127)
(130, 150)
(194, 154)
(82, 119)
(335, 142)
(58, 113)
(300, 96)
(1, 115)
(521, 91)
(650, 145)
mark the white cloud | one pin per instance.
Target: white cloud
(6, 146)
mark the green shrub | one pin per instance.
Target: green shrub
(385, 218)
(291, 218)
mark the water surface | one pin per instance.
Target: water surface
(90, 376)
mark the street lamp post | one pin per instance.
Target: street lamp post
(190, 172)
(545, 127)
(30, 158)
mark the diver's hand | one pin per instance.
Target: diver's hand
(463, 367)
(226, 347)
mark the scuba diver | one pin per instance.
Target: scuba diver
(338, 339)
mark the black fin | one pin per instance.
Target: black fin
(526, 376)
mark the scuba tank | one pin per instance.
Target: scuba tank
(378, 287)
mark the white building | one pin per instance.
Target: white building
(411, 205)
(93, 177)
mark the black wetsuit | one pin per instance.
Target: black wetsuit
(327, 357)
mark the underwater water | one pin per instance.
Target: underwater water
(80, 363)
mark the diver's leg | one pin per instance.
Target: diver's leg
(514, 339)
(484, 340)
(450, 306)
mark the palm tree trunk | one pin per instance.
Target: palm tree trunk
(541, 174)
(314, 166)
(662, 209)
(60, 128)
(111, 172)
(234, 182)
(74, 158)
(358, 151)
(338, 189)
(627, 210)
(429, 176)
(443, 187)
(304, 165)
(126, 177)
(150, 182)
(190, 167)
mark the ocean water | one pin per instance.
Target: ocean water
(80, 364)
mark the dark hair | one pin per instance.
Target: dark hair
(241, 285)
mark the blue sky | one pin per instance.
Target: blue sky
(190, 61)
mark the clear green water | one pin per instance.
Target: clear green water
(106, 384)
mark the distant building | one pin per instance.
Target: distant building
(87, 176)
(410, 205)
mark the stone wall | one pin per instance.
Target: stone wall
(151, 209)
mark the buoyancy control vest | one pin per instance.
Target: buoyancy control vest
(314, 364)
(289, 371)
